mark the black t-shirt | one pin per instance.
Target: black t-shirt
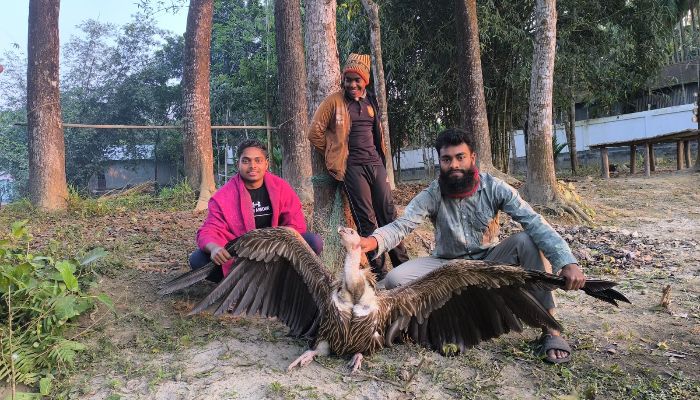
(361, 149)
(262, 208)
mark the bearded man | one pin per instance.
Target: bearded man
(463, 205)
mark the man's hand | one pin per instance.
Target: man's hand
(219, 254)
(368, 244)
(575, 279)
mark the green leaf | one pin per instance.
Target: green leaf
(107, 301)
(93, 255)
(66, 269)
(65, 350)
(45, 385)
(19, 229)
(65, 307)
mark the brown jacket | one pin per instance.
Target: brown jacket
(330, 128)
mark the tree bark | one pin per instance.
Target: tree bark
(570, 127)
(541, 184)
(472, 103)
(323, 78)
(47, 156)
(196, 120)
(372, 11)
(291, 70)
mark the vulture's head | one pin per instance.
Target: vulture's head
(349, 238)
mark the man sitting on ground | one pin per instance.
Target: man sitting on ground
(253, 198)
(463, 204)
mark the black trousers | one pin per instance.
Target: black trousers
(372, 206)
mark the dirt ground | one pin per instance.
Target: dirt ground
(646, 236)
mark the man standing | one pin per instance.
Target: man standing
(347, 129)
(463, 205)
(253, 198)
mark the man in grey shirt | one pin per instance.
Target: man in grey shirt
(463, 205)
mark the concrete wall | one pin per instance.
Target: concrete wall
(120, 174)
(622, 127)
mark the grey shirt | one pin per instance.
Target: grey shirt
(468, 227)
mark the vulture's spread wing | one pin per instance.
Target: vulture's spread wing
(276, 274)
(467, 301)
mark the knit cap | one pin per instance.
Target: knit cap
(359, 64)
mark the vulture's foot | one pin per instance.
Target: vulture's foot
(303, 360)
(355, 362)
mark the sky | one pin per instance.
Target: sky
(14, 18)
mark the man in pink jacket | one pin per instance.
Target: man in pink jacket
(253, 198)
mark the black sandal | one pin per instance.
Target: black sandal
(550, 342)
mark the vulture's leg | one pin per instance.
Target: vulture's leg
(355, 362)
(322, 349)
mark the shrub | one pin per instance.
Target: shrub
(40, 298)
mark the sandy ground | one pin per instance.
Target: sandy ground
(646, 236)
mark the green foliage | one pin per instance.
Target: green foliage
(557, 147)
(243, 62)
(41, 298)
(608, 51)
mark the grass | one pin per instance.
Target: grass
(149, 343)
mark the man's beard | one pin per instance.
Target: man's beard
(457, 184)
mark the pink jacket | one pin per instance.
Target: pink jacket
(231, 212)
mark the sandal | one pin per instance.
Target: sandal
(550, 342)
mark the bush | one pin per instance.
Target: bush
(40, 298)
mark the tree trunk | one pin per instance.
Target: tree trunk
(323, 78)
(47, 156)
(682, 40)
(291, 70)
(570, 128)
(541, 184)
(196, 119)
(472, 103)
(372, 10)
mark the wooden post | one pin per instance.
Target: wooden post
(686, 147)
(604, 166)
(652, 157)
(633, 158)
(679, 155)
(648, 151)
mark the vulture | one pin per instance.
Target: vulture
(464, 302)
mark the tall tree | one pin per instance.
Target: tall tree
(291, 72)
(323, 78)
(472, 103)
(47, 170)
(375, 33)
(541, 184)
(196, 119)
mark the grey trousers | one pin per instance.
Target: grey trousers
(518, 249)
